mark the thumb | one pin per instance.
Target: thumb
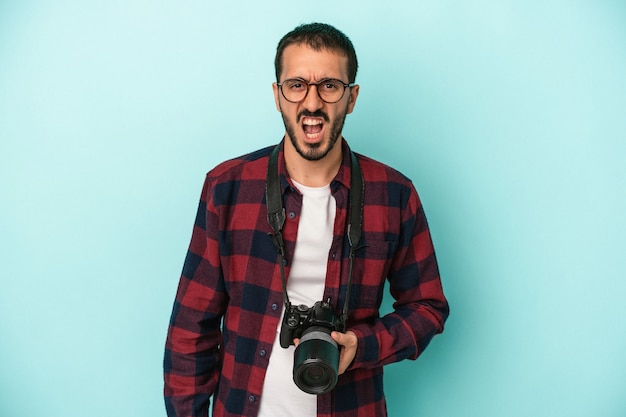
(338, 337)
(344, 339)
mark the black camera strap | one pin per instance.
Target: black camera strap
(276, 220)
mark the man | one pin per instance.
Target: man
(223, 339)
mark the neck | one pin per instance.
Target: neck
(313, 173)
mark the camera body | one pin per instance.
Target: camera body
(316, 359)
(299, 318)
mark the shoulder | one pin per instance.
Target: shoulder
(238, 180)
(251, 166)
(375, 171)
(386, 186)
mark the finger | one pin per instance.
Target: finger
(345, 339)
(338, 337)
(345, 359)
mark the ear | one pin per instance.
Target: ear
(276, 96)
(354, 93)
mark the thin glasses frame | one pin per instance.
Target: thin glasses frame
(317, 84)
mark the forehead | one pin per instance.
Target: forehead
(302, 61)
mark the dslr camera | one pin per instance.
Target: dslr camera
(316, 359)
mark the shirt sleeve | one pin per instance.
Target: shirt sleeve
(192, 350)
(420, 308)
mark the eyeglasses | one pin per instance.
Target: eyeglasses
(329, 90)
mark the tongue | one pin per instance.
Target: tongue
(312, 129)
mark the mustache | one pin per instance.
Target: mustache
(317, 113)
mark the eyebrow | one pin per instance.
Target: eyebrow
(309, 81)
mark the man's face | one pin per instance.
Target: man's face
(314, 126)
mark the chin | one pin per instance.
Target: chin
(314, 151)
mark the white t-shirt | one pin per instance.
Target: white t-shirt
(281, 397)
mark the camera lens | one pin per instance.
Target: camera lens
(316, 361)
(315, 378)
(313, 374)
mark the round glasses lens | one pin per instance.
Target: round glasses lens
(330, 90)
(294, 90)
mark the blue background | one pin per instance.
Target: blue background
(509, 117)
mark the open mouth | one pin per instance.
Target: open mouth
(312, 127)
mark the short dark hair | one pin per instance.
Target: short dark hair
(318, 36)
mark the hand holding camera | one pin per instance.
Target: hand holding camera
(349, 342)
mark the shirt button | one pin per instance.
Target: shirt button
(262, 352)
(292, 215)
(251, 398)
(274, 307)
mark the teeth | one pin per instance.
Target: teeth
(311, 122)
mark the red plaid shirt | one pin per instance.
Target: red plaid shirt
(229, 300)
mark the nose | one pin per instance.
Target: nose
(312, 101)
